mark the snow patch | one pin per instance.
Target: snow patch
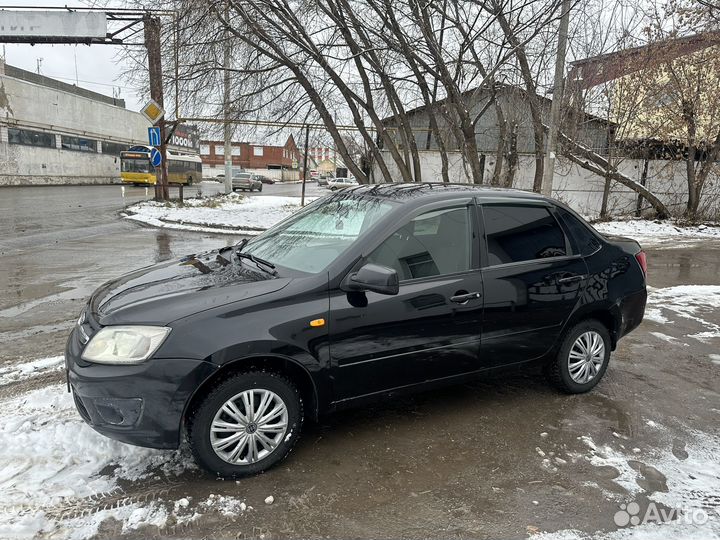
(690, 302)
(692, 483)
(231, 214)
(52, 463)
(18, 372)
(657, 232)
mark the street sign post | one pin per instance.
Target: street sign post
(154, 136)
(155, 157)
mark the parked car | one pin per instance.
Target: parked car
(323, 181)
(339, 183)
(416, 286)
(246, 181)
(265, 179)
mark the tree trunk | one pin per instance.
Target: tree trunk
(643, 182)
(595, 163)
(512, 158)
(532, 97)
(605, 197)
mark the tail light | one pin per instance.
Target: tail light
(642, 261)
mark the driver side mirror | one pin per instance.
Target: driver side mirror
(373, 277)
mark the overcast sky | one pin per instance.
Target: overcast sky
(97, 66)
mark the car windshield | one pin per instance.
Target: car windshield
(315, 236)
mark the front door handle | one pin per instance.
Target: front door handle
(571, 279)
(464, 298)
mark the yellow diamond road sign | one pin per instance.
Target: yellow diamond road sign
(152, 111)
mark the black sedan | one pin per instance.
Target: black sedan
(369, 292)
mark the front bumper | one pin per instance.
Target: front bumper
(139, 404)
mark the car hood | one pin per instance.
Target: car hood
(165, 292)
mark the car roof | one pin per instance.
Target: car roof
(406, 192)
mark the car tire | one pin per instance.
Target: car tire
(261, 385)
(260, 188)
(582, 359)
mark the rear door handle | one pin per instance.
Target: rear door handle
(463, 298)
(571, 279)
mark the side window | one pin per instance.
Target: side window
(584, 241)
(431, 244)
(521, 233)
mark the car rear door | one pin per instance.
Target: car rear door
(431, 328)
(532, 280)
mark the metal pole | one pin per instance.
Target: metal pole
(152, 28)
(305, 160)
(555, 108)
(227, 132)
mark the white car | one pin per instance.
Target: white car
(339, 183)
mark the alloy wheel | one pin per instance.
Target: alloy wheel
(249, 426)
(586, 357)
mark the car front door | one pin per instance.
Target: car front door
(532, 280)
(431, 328)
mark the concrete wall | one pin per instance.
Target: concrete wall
(583, 190)
(27, 105)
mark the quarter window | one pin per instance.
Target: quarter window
(432, 244)
(584, 241)
(521, 233)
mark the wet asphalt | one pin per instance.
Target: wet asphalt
(498, 458)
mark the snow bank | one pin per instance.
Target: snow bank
(658, 232)
(230, 214)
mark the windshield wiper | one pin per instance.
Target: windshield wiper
(262, 264)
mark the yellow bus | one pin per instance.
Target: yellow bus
(136, 168)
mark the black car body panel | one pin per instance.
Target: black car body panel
(225, 312)
(172, 290)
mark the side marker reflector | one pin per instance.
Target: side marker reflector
(317, 322)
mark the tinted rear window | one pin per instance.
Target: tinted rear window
(521, 233)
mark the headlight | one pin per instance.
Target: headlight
(124, 344)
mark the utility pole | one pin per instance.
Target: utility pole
(557, 99)
(152, 28)
(305, 160)
(227, 128)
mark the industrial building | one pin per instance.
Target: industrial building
(52, 132)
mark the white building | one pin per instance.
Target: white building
(52, 132)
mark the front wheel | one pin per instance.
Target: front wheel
(247, 424)
(582, 359)
(260, 188)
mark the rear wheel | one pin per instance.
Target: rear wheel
(582, 359)
(246, 425)
(260, 188)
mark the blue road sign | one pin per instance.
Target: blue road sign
(155, 157)
(154, 136)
